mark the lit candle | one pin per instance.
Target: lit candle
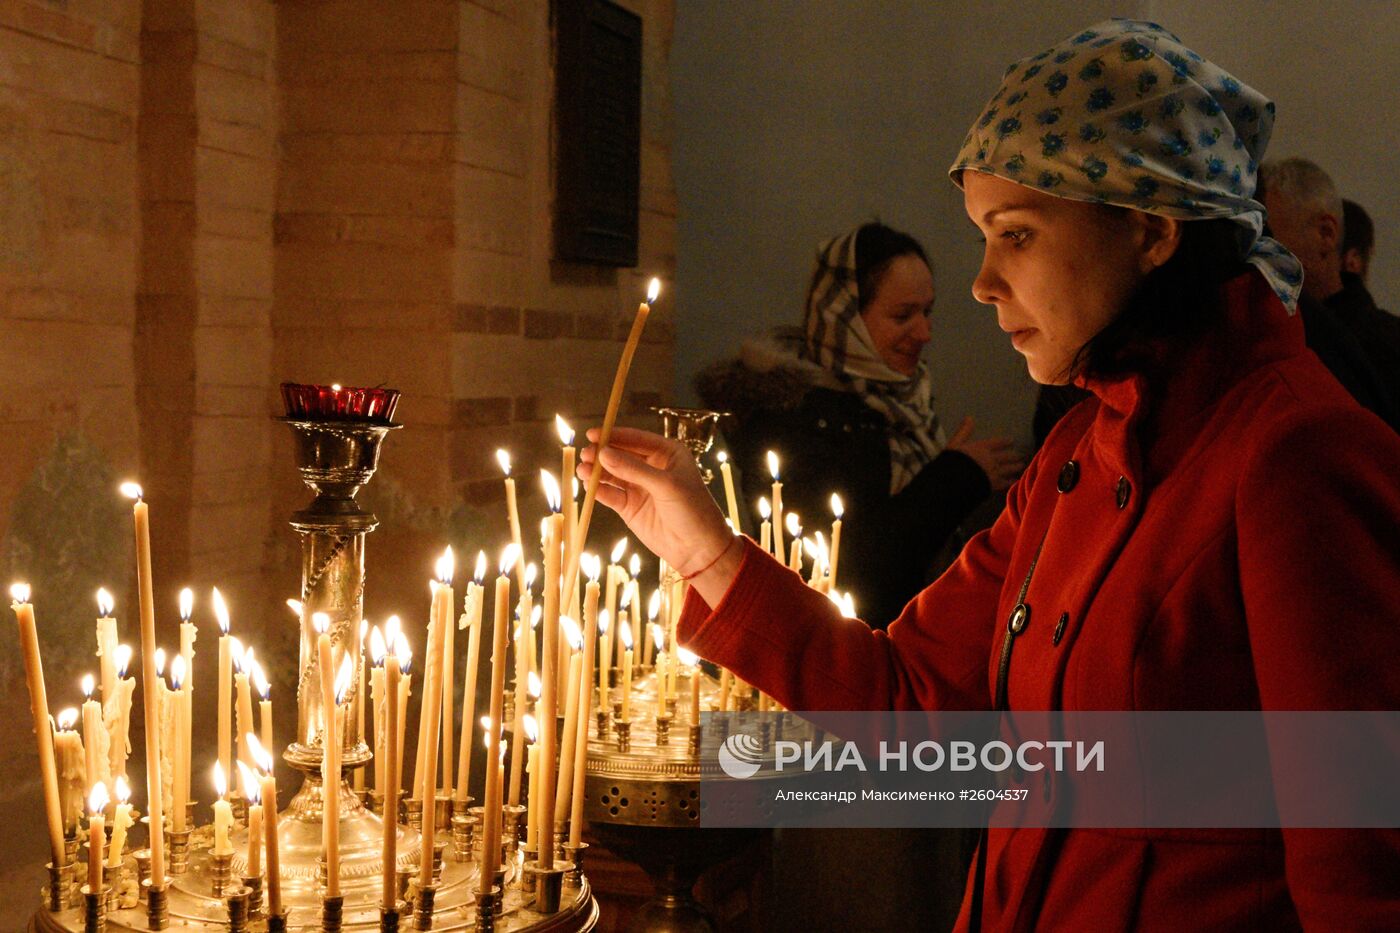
(532, 768)
(522, 682)
(252, 793)
(393, 761)
(815, 549)
(794, 527)
(330, 772)
(264, 687)
(472, 620)
(730, 498)
(838, 509)
(405, 657)
(96, 762)
(225, 697)
(188, 634)
(106, 644)
(590, 495)
(625, 634)
(651, 651)
(146, 591)
(634, 598)
(97, 836)
(513, 514)
(692, 663)
(245, 725)
(179, 750)
(566, 474)
(269, 796)
(185, 698)
(491, 812)
(39, 714)
(658, 640)
(549, 653)
(121, 822)
(165, 738)
(377, 650)
(777, 506)
(726, 687)
(360, 665)
(447, 597)
(614, 577)
(765, 530)
(68, 758)
(564, 789)
(432, 701)
(117, 714)
(590, 639)
(223, 813)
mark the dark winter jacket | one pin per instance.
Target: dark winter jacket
(829, 441)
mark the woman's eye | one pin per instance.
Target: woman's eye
(1017, 237)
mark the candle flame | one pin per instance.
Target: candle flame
(624, 632)
(551, 490)
(105, 603)
(177, 672)
(571, 632)
(321, 622)
(19, 592)
(532, 728)
(88, 684)
(765, 511)
(97, 801)
(809, 547)
(626, 596)
(186, 604)
(123, 790)
(687, 657)
(531, 572)
(235, 653)
(404, 654)
(252, 788)
(344, 678)
(837, 507)
(794, 524)
(480, 572)
(845, 603)
(533, 686)
(364, 630)
(592, 566)
(377, 648)
(508, 558)
(573, 488)
(635, 564)
(722, 457)
(653, 290)
(503, 458)
(220, 782)
(604, 620)
(261, 756)
(658, 637)
(505, 744)
(67, 719)
(122, 656)
(566, 433)
(654, 604)
(393, 628)
(216, 599)
(335, 387)
(773, 465)
(160, 662)
(536, 614)
(296, 607)
(131, 490)
(261, 682)
(619, 549)
(446, 564)
(249, 662)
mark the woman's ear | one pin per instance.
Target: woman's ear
(1158, 241)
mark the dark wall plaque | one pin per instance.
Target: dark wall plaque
(598, 115)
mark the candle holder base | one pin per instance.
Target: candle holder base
(574, 856)
(404, 877)
(178, 845)
(561, 836)
(442, 809)
(463, 833)
(332, 914)
(239, 805)
(94, 909)
(624, 736)
(238, 910)
(375, 803)
(602, 724)
(143, 870)
(255, 896)
(527, 879)
(157, 907)
(694, 735)
(277, 922)
(765, 735)
(221, 867)
(388, 920)
(549, 885)
(58, 892)
(514, 817)
(423, 907)
(663, 729)
(671, 707)
(486, 910)
(413, 813)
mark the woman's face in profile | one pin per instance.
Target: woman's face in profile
(897, 314)
(1057, 271)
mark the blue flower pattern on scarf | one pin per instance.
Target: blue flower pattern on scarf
(1159, 129)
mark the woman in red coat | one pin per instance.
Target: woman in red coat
(1216, 528)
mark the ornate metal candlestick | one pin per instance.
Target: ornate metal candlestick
(695, 428)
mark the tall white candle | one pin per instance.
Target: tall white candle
(224, 700)
(146, 590)
(106, 645)
(121, 822)
(223, 813)
(39, 714)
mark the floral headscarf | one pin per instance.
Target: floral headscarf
(838, 341)
(1124, 114)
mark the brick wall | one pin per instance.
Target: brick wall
(202, 198)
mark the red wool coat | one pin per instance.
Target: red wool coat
(1230, 542)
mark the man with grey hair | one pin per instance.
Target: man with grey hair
(1357, 341)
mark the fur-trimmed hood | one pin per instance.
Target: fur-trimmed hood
(767, 375)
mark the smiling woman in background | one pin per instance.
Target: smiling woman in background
(847, 404)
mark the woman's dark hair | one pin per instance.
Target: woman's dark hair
(1175, 303)
(876, 247)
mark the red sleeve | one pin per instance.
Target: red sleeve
(1318, 513)
(791, 642)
